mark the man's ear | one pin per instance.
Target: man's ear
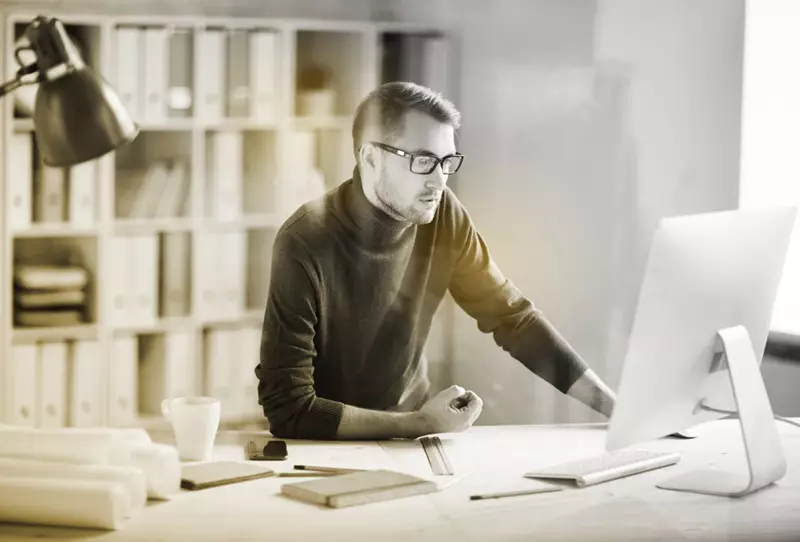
(368, 156)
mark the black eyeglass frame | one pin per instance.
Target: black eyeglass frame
(411, 156)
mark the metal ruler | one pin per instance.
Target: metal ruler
(434, 449)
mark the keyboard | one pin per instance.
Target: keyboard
(605, 467)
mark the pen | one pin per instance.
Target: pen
(514, 493)
(326, 469)
(304, 474)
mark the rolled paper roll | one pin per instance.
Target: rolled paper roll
(80, 445)
(76, 446)
(161, 466)
(133, 478)
(94, 504)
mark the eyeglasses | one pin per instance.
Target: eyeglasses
(424, 164)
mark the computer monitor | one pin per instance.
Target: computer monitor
(698, 338)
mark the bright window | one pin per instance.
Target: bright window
(770, 165)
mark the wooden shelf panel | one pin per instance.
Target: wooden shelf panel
(85, 332)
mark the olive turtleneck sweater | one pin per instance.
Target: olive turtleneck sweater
(351, 298)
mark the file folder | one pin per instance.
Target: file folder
(238, 78)
(211, 78)
(129, 69)
(144, 267)
(180, 95)
(121, 271)
(82, 194)
(175, 274)
(85, 384)
(25, 378)
(49, 187)
(52, 384)
(20, 181)
(264, 75)
(123, 381)
(155, 74)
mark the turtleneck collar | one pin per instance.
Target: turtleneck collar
(373, 225)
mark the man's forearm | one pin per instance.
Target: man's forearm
(590, 390)
(359, 423)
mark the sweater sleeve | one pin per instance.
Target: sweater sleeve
(285, 372)
(483, 292)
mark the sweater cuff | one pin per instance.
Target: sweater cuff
(323, 419)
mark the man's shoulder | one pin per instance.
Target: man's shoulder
(310, 218)
(452, 212)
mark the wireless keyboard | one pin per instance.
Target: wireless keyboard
(606, 467)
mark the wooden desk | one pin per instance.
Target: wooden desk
(626, 509)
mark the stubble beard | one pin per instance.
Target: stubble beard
(408, 213)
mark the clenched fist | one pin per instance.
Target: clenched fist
(449, 411)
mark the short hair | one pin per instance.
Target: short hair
(388, 104)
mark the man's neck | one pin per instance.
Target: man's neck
(374, 224)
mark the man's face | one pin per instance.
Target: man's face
(406, 195)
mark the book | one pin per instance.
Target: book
(218, 473)
(358, 488)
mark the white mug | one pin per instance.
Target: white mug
(195, 421)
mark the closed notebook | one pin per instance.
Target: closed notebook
(358, 488)
(218, 473)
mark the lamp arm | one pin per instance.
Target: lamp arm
(10, 86)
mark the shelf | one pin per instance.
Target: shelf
(178, 323)
(170, 125)
(55, 229)
(134, 226)
(257, 221)
(316, 123)
(247, 317)
(239, 124)
(168, 225)
(86, 332)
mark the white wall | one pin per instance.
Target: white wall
(586, 122)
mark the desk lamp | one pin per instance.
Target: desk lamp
(77, 116)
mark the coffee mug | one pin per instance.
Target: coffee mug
(195, 421)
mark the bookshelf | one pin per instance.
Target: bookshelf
(143, 275)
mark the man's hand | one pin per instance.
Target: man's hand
(449, 411)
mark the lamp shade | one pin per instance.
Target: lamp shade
(78, 117)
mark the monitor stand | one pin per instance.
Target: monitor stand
(765, 459)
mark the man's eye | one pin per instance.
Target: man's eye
(426, 160)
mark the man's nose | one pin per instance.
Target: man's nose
(437, 179)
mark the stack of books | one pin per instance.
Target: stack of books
(48, 295)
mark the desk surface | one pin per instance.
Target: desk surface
(495, 457)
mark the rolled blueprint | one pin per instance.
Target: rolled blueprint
(67, 445)
(161, 466)
(102, 446)
(96, 504)
(133, 478)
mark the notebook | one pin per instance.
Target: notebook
(218, 473)
(358, 488)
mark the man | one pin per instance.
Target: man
(358, 275)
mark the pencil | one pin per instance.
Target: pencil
(304, 474)
(326, 469)
(514, 493)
